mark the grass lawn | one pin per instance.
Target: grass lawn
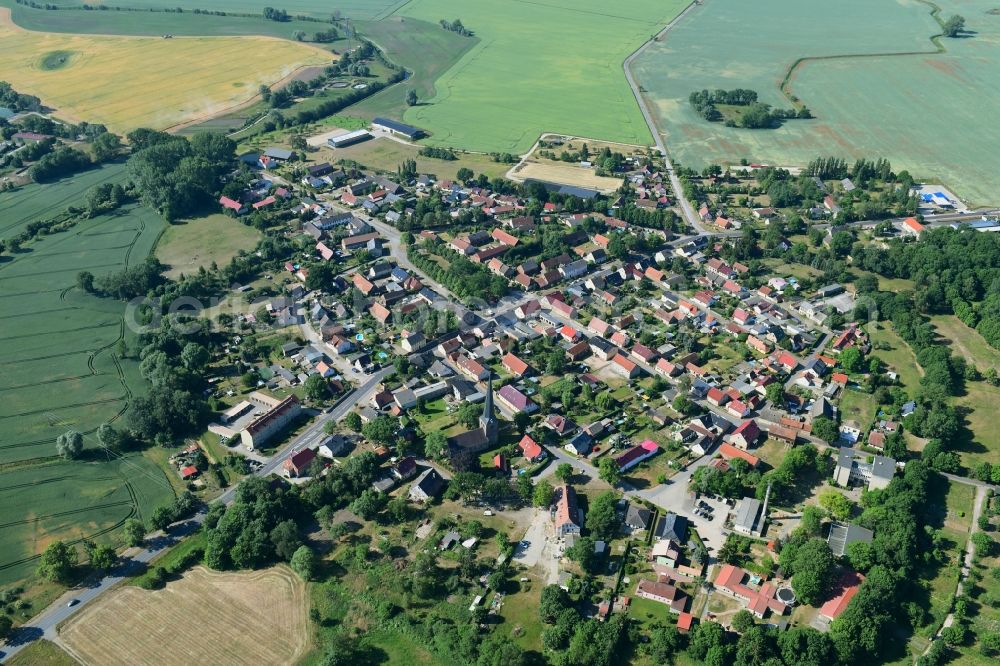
(772, 451)
(756, 46)
(887, 284)
(981, 401)
(129, 82)
(900, 357)
(386, 155)
(568, 54)
(400, 649)
(42, 653)
(520, 616)
(800, 271)
(857, 406)
(198, 243)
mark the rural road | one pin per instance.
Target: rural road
(44, 624)
(686, 208)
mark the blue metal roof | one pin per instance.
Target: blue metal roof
(397, 126)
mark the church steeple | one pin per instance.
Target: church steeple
(488, 421)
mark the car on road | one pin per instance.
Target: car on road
(72, 602)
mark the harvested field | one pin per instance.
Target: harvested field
(206, 617)
(129, 82)
(563, 174)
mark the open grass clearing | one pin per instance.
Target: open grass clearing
(224, 618)
(754, 46)
(966, 341)
(857, 406)
(129, 82)
(540, 67)
(198, 243)
(981, 402)
(899, 355)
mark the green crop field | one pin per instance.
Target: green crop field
(77, 20)
(354, 9)
(60, 371)
(539, 67)
(71, 501)
(423, 48)
(29, 204)
(922, 111)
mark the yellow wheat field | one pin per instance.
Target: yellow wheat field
(206, 617)
(129, 82)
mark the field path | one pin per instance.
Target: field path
(686, 208)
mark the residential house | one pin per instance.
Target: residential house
(531, 450)
(663, 593)
(427, 486)
(515, 400)
(298, 464)
(566, 519)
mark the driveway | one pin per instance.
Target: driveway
(539, 547)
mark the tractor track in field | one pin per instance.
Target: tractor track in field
(71, 512)
(103, 324)
(60, 407)
(45, 382)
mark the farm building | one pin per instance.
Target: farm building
(397, 128)
(348, 139)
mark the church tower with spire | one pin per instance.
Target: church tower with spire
(488, 420)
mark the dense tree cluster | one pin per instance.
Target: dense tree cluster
(462, 277)
(755, 114)
(456, 26)
(177, 176)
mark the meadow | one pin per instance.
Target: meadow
(387, 155)
(200, 242)
(72, 500)
(539, 67)
(923, 111)
(423, 48)
(129, 82)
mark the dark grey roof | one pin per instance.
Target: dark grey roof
(637, 517)
(842, 536)
(673, 527)
(396, 126)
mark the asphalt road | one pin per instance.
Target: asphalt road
(44, 624)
